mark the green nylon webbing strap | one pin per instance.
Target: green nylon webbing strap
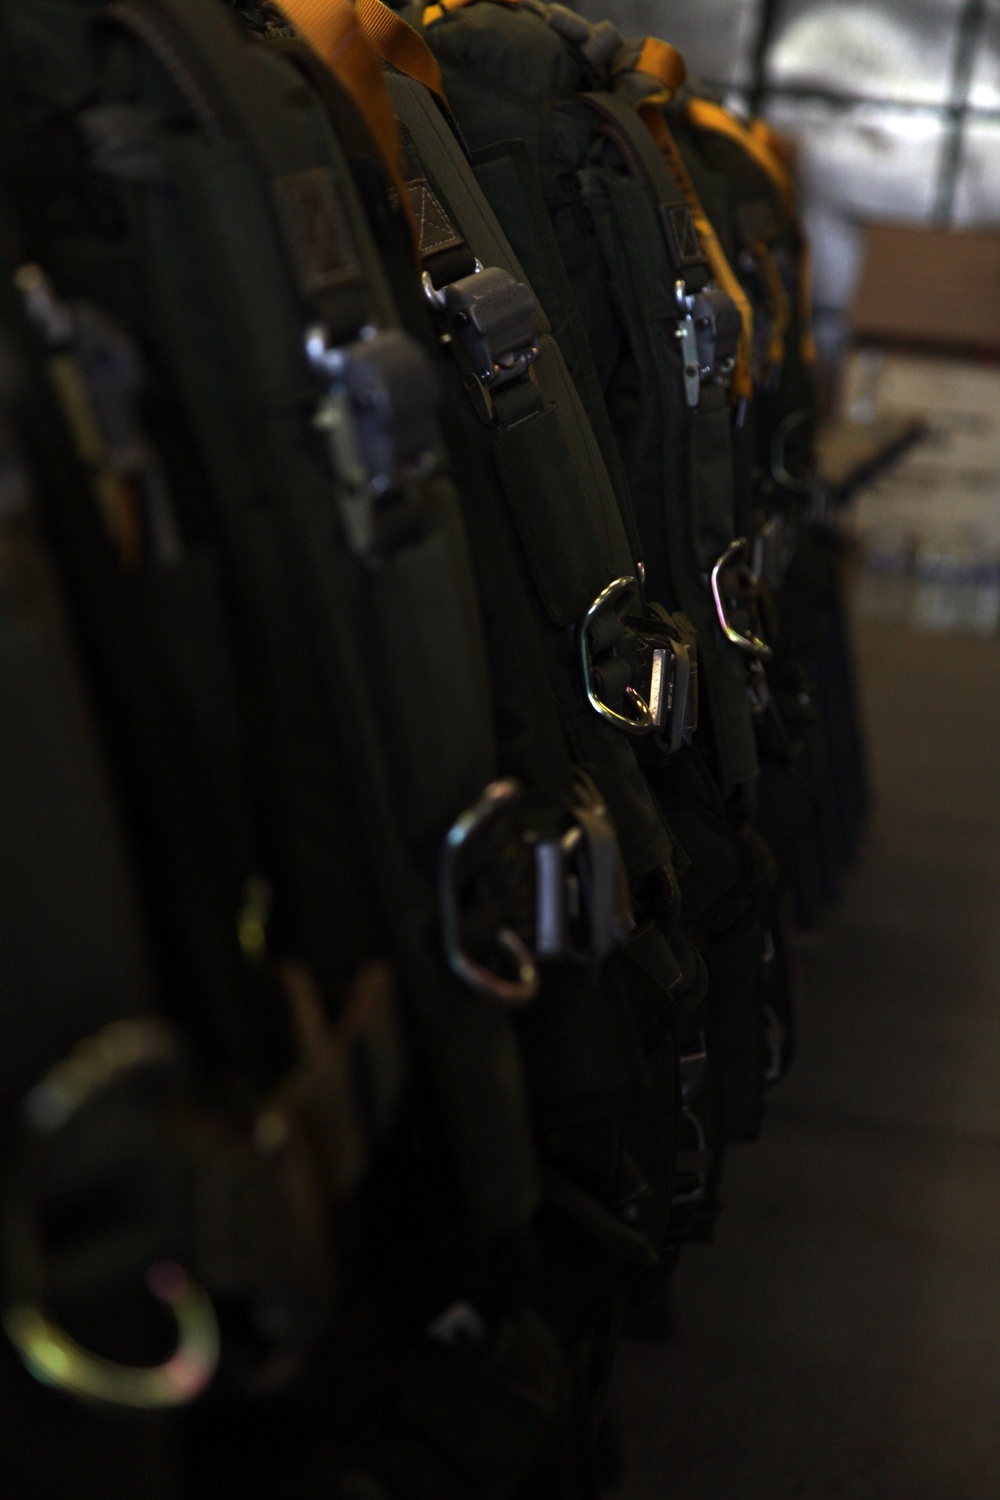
(680, 235)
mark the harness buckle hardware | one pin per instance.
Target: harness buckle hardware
(459, 874)
(709, 330)
(728, 579)
(580, 907)
(642, 720)
(490, 325)
(378, 418)
(673, 691)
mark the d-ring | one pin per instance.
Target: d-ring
(55, 1359)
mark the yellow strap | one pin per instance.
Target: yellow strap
(333, 30)
(664, 62)
(651, 111)
(768, 150)
(441, 8)
(780, 307)
(398, 44)
(708, 116)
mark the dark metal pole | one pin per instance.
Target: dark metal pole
(970, 26)
(765, 30)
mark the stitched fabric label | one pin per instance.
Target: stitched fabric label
(434, 227)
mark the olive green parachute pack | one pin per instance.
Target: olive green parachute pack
(389, 706)
(310, 697)
(611, 235)
(285, 637)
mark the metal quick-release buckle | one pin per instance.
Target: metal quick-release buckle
(582, 906)
(526, 897)
(729, 579)
(641, 720)
(490, 325)
(673, 683)
(709, 330)
(636, 649)
(378, 419)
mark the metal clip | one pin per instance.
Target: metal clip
(688, 336)
(743, 640)
(708, 329)
(672, 692)
(580, 912)
(378, 418)
(642, 721)
(490, 326)
(457, 870)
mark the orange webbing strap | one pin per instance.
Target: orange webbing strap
(780, 306)
(663, 62)
(441, 8)
(651, 111)
(706, 116)
(769, 151)
(333, 30)
(782, 153)
(398, 44)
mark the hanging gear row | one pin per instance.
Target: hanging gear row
(412, 592)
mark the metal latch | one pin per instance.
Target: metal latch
(582, 903)
(673, 691)
(490, 326)
(709, 331)
(378, 418)
(600, 614)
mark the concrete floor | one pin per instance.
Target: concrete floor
(841, 1339)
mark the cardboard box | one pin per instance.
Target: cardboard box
(929, 288)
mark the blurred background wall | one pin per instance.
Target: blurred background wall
(895, 105)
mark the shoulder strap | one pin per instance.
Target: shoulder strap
(650, 111)
(336, 31)
(763, 145)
